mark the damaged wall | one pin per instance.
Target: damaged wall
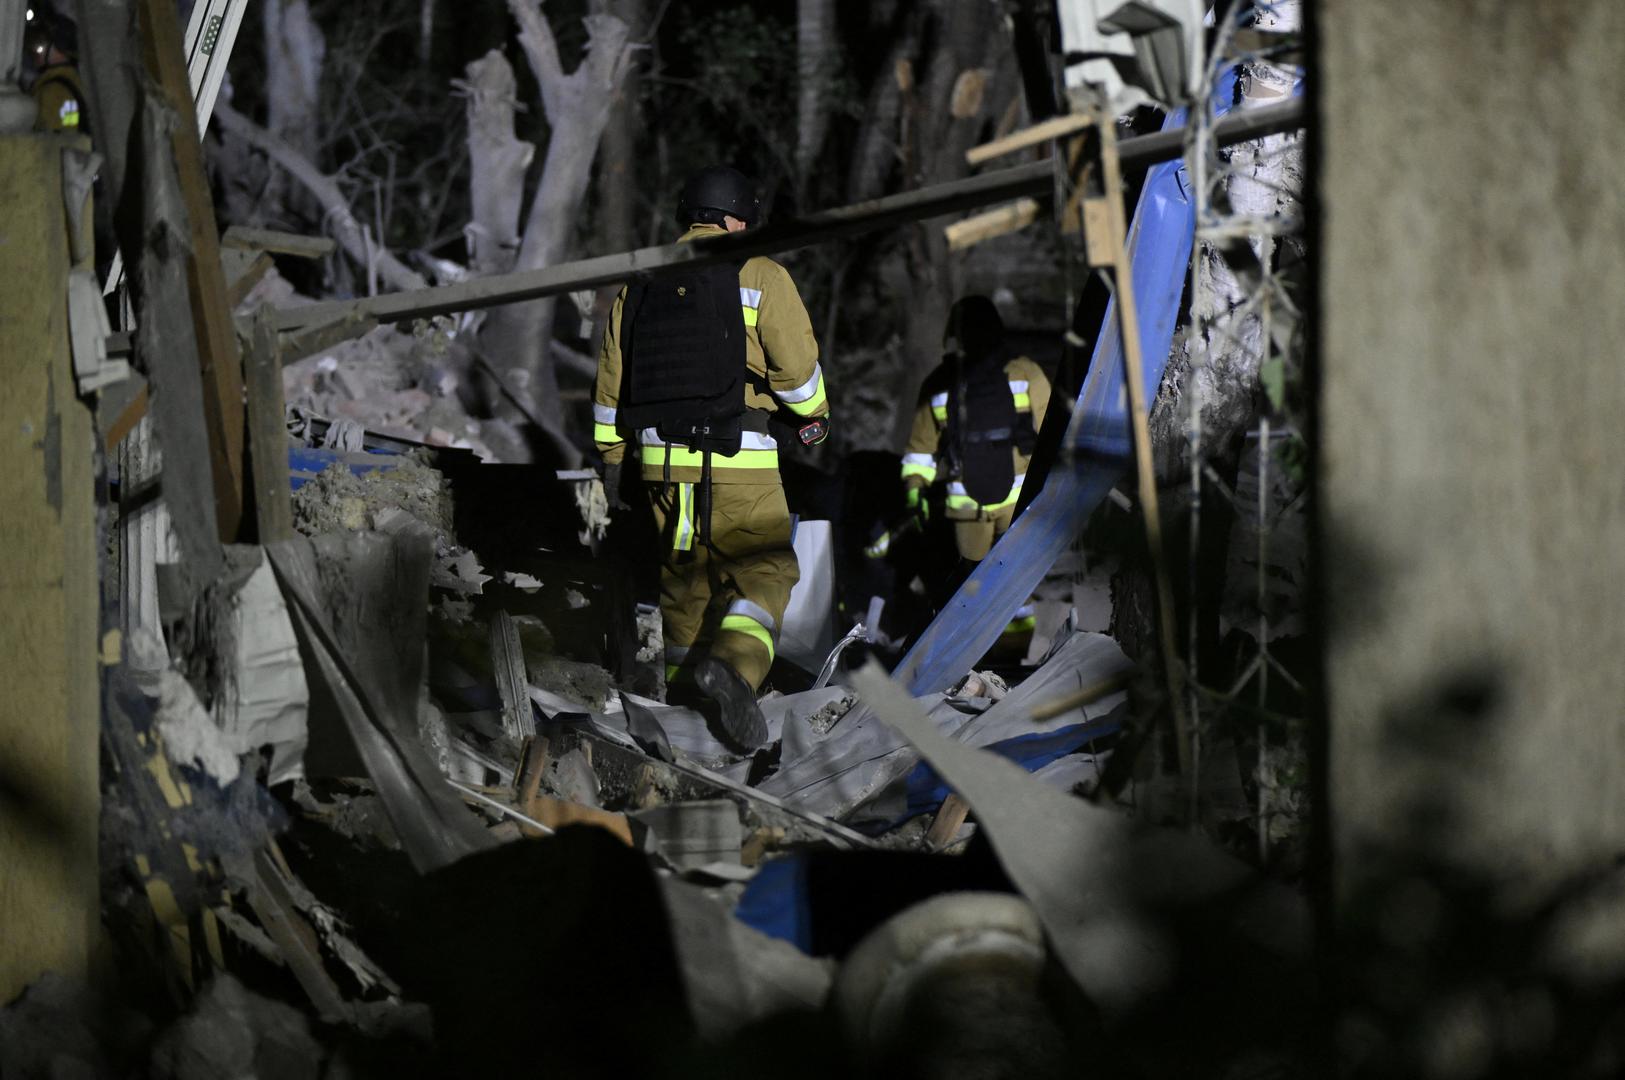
(1472, 391)
(48, 623)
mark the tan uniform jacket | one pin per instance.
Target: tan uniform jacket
(779, 345)
(57, 95)
(1028, 386)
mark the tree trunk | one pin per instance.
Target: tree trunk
(617, 190)
(577, 106)
(816, 46)
(497, 161)
(294, 52)
(941, 118)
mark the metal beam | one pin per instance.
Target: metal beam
(1034, 179)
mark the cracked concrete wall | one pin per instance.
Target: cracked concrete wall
(1472, 389)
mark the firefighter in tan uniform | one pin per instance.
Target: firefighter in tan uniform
(52, 43)
(974, 432)
(694, 366)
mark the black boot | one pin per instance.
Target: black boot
(741, 716)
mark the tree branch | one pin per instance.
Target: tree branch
(541, 50)
(349, 232)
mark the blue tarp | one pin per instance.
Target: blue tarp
(305, 463)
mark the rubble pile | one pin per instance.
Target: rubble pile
(409, 752)
(405, 385)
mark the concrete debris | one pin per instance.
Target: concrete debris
(232, 1031)
(572, 776)
(691, 835)
(266, 702)
(189, 734)
(339, 500)
(591, 503)
(398, 384)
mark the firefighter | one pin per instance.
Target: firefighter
(698, 370)
(52, 43)
(974, 431)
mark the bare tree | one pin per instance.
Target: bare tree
(577, 105)
(939, 119)
(295, 50)
(815, 68)
(355, 238)
(498, 160)
(617, 158)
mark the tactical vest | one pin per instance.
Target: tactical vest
(980, 429)
(683, 340)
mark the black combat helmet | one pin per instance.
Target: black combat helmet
(713, 192)
(974, 328)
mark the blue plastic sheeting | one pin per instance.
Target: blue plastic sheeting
(775, 902)
(1098, 448)
(926, 790)
(305, 463)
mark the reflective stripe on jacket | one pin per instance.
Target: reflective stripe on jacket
(779, 347)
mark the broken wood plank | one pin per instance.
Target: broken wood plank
(1033, 180)
(1139, 412)
(283, 243)
(272, 901)
(166, 343)
(243, 270)
(990, 224)
(1055, 127)
(121, 408)
(1049, 710)
(762, 839)
(268, 435)
(321, 338)
(946, 825)
(220, 362)
(513, 682)
(533, 761)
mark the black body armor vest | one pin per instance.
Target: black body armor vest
(683, 343)
(982, 427)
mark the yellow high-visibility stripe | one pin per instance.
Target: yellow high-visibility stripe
(940, 412)
(683, 457)
(744, 624)
(605, 433)
(1024, 401)
(958, 500)
(682, 534)
(751, 315)
(927, 473)
(809, 397)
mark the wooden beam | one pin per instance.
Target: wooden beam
(283, 243)
(268, 435)
(1034, 180)
(991, 224)
(1056, 127)
(218, 357)
(243, 269)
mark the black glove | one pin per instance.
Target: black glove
(612, 487)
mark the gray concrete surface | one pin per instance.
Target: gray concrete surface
(1473, 315)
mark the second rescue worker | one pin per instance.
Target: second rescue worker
(693, 366)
